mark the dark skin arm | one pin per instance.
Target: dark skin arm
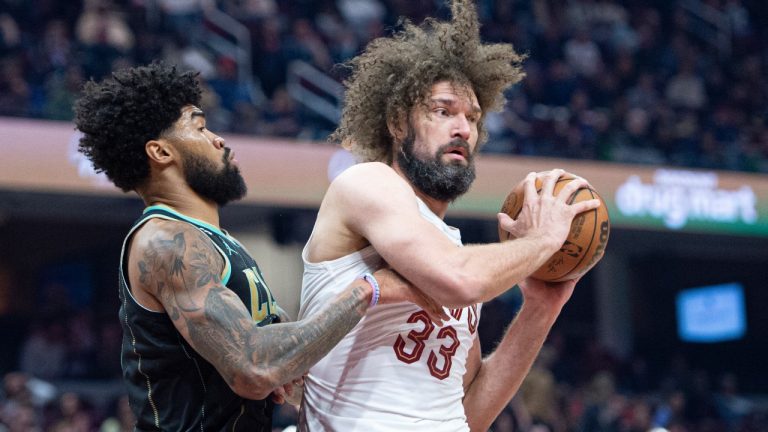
(175, 267)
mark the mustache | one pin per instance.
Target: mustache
(456, 142)
(227, 151)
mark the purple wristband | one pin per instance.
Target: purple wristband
(376, 290)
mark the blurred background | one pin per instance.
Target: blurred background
(662, 105)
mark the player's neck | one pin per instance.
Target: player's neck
(438, 207)
(185, 201)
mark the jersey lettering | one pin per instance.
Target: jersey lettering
(262, 302)
(416, 336)
(419, 336)
(446, 351)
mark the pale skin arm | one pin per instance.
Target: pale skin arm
(490, 383)
(387, 216)
(174, 266)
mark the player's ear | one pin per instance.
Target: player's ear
(397, 128)
(159, 151)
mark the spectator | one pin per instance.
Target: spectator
(280, 117)
(184, 17)
(15, 91)
(270, 58)
(104, 34)
(539, 393)
(227, 85)
(583, 54)
(305, 44)
(44, 352)
(686, 89)
(10, 35)
(178, 50)
(62, 88)
(589, 50)
(71, 415)
(123, 419)
(360, 14)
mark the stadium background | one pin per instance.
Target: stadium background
(661, 104)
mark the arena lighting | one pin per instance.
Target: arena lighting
(711, 314)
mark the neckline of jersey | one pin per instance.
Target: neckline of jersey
(186, 218)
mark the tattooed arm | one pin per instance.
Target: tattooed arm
(293, 391)
(178, 267)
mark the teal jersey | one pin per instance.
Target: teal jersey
(170, 386)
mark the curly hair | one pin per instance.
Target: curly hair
(120, 114)
(395, 74)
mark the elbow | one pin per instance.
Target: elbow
(254, 383)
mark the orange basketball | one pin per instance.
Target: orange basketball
(586, 241)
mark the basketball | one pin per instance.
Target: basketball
(586, 241)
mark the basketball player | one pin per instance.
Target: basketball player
(202, 349)
(414, 113)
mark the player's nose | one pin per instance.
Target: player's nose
(461, 127)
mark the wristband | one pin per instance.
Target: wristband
(375, 285)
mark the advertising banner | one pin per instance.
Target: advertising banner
(42, 156)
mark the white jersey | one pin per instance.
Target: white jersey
(396, 370)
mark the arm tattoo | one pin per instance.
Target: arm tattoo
(287, 350)
(183, 273)
(293, 348)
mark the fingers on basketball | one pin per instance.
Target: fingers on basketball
(585, 245)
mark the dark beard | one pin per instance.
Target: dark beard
(443, 182)
(219, 187)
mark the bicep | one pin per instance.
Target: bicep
(181, 268)
(382, 208)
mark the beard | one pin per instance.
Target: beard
(220, 187)
(438, 180)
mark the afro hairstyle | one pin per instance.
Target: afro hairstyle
(395, 74)
(120, 114)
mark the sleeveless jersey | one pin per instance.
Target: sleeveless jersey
(396, 370)
(170, 386)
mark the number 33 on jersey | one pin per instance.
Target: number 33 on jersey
(438, 361)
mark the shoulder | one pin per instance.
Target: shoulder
(162, 237)
(366, 170)
(369, 179)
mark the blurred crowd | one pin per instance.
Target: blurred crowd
(575, 385)
(628, 81)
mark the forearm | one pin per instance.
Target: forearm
(501, 374)
(477, 273)
(254, 360)
(295, 347)
(507, 264)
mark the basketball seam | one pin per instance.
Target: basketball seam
(591, 239)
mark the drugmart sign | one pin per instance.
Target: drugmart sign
(680, 199)
(639, 196)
